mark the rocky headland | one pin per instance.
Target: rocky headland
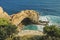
(23, 18)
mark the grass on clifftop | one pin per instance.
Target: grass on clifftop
(4, 21)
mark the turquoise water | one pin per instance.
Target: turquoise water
(33, 27)
(30, 27)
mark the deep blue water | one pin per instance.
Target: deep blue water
(46, 7)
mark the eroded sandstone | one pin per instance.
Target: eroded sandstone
(26, 14)
(3, 14)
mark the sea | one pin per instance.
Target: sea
(49, 10)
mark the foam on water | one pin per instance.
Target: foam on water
(52, 19)
(55, 20)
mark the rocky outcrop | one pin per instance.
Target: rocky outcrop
(22, 18)
(1, 10)
(3, 14)
(25, 16)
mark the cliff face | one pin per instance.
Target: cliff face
(25, 17)
(3, 14)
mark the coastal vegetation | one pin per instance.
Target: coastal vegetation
(50, 33)
(8, 32)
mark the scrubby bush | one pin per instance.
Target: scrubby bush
(52, 30)
(52, 33)
(6, 29)
(4, 21)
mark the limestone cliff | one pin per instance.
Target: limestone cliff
(3, 14)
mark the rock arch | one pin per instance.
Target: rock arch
(26, 15)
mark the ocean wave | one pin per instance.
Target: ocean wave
(55, 20)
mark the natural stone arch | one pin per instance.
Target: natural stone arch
(30, 14)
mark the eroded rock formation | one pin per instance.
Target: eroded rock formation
(22, 18)
(25, 17)
(3, 14)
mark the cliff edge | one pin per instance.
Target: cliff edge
(3, 14)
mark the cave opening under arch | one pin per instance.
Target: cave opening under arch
(26, 21)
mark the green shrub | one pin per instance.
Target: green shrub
(4, 21)
(50, 38)
(52, 30)
(6, 29)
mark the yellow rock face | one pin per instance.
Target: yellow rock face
(31, 14)
(3, 14)
(1, 10)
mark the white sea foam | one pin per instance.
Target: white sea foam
(53, 20)
(40, 27)
(43, 18)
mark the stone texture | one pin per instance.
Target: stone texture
(3, 14)
(31, 14)
(1, 10)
